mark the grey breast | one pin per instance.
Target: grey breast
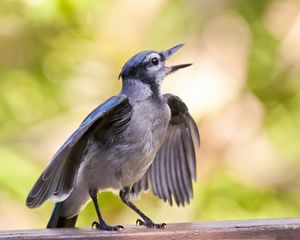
(131, 152)
(145, 135)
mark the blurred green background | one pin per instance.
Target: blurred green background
(61, 58)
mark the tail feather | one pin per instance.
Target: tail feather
(57, 221)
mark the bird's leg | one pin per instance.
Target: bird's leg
(101, 225)
(146, 220)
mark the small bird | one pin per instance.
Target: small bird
(134, 141)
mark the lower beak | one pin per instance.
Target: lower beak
(168, 53)
(176, 67)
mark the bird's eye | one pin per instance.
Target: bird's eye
(154, 61)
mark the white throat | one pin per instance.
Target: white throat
(136, 90)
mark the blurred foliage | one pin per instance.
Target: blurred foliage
(60, 58)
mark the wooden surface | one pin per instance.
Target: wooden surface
(246, 229)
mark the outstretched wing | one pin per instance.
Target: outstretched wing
(56, 182)
(174, 167)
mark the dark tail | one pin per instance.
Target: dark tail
(56, 221)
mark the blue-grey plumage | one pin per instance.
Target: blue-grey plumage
(136, 140)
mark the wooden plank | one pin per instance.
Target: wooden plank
(245, 229)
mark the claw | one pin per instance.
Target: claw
(139, 222)
(105, 227)
(95, 224)
(149, 223)
(161, 225)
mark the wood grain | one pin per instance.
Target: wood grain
(245, 229)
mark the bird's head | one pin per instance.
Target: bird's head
(149, 66)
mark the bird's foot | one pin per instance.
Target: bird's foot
(103, 226)
(149, 223)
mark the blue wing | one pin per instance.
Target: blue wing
(97, 113)
(56, 182)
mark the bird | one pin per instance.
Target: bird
(137, 140)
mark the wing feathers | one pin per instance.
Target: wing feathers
(172, 171)
(57, 180)
(184, 169)
(193, 129)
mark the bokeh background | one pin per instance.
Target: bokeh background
(61, 58)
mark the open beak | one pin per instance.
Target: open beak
(168, 53)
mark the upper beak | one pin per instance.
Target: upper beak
(168, 53)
